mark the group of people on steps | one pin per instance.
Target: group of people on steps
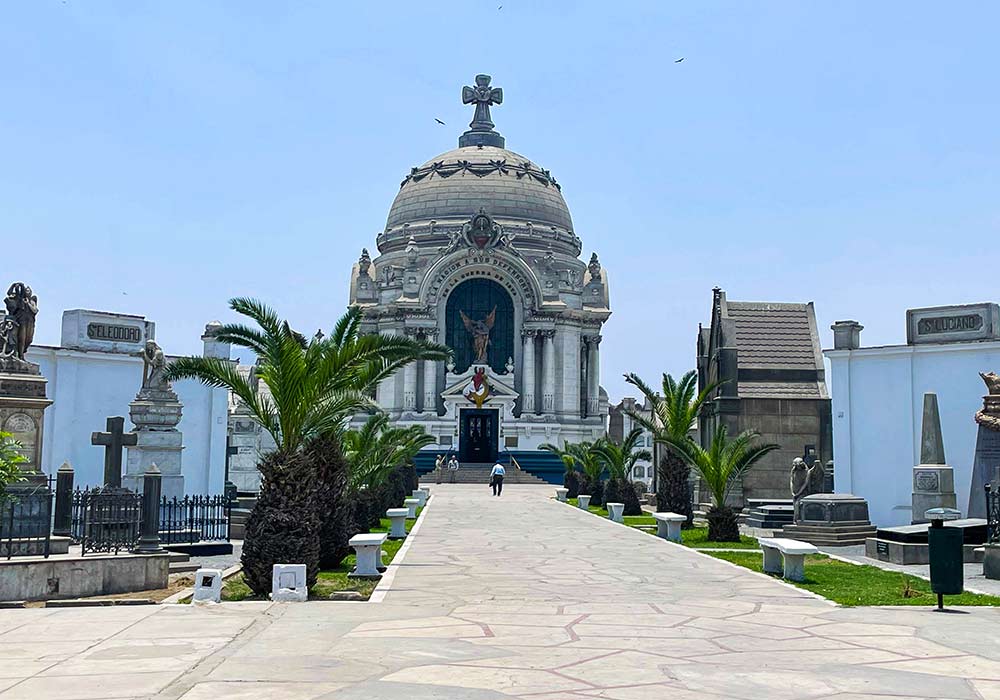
(496, 474)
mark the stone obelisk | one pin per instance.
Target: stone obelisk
(933, 479)
(987, 459)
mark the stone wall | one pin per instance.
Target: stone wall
(791, 423)
(77, 577)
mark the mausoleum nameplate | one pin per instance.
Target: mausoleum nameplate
(926, 481)
(106, 331)
(953, 324)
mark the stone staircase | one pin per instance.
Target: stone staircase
(480, 474)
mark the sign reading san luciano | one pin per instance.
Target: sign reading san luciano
(114, 333)
(952, 324)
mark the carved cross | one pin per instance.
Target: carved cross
(482, 95)
(113, 441)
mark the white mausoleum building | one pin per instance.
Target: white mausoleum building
(479, 252)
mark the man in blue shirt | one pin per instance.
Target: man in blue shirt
(496, 478)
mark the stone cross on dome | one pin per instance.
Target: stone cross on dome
(481, 131)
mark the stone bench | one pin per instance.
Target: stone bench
(615, 511)
(411, 505)
(583, 501)
(561, 495)
(368, 548)
(786, 557)
(397, 522)
(668, 525)
(420, 495)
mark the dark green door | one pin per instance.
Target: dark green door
(477, 440)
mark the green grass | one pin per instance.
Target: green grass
(857, 585)
(329, 580)
(695, 537)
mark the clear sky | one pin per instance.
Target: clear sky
(159, 158)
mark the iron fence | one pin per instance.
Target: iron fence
(194, 518)
(112, 523)
(112, 518)
(992, 515)
(26, 521)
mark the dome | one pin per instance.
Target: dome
(457, 184)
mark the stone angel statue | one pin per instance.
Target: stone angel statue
(153, 367)
(480, 332)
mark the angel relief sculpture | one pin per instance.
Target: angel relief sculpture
(480, 332)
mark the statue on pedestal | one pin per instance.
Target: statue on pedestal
(153, 368)
(17, 329)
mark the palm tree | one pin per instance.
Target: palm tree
(672, 414)
(725, 461)
(571, 477)
(619, 460)
(312, 388)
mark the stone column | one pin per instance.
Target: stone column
(430, 377)
(410, 383)
(548, 371)
(385, 394)
(149, 537)
(528, 373)
(570, 381)
(593, 374)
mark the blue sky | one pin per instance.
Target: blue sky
(159, 158)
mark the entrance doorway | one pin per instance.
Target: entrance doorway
(477, 438)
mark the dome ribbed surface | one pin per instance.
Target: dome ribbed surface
(456, 184)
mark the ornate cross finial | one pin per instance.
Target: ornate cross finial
(481, 131)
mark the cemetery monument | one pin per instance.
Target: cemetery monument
(986, 463)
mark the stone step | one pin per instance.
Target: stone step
(184, 567)
(179, 557)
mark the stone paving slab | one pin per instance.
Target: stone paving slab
(515, 597)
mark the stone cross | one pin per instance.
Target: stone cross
(482, 95)
(113, 441)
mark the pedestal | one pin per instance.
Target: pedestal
(158, 442)
(22, 406)
(933, 487)
(983, 469)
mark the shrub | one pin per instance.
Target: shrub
(572, 481)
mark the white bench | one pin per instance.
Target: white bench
(397, 522)
(786, 557)
(368, 548)
(561, 495)
(411, 506)
(615, 511)
(420, 496)
(668, 525)
(583, 501)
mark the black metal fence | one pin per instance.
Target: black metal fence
(25, 522)
(194, 518)
(109, 520)
(992, 515)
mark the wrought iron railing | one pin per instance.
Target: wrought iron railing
(112, 523)
(112, 519)
(992, 515)
(26, 522)
(194, 518)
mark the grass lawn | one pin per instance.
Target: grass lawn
(852, 584)
(695, 537)
(329, 580)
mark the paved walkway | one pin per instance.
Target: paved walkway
(517, 597)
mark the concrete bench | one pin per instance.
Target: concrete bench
(668, 525)
(397, 522)
(420, 496)
(411, 506)
(583, 501)
(786, 557)
(561, 495)
(368, 548)
(615, 511)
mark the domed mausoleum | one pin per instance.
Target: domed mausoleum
(479, 252)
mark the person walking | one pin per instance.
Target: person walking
(496, 478)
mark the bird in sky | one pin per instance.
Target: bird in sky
(679, 59)
(438, 120)
(499, 7)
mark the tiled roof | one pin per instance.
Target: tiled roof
(782, 390)
(774, 336)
